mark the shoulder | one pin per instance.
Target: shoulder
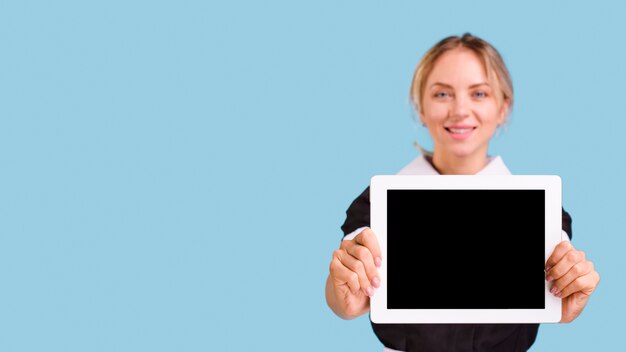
(418, 166)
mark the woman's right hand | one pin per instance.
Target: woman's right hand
(354, 275)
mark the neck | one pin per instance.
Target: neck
(447, 164)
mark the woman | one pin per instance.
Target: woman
(462, 92)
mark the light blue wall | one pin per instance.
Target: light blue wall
(173, 175)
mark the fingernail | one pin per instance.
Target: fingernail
(553, 290)
(548, 268)
(549, 278)
(378, 261)
(376, 281)
(559, 294)
(370, 291)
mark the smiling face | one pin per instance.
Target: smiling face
(461, 107)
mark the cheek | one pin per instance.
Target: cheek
(435, 112)
(489, 115)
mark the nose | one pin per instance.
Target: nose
(460, 108)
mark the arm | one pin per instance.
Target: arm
(572, 276)
(353, 269)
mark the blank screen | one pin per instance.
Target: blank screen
(465, 249)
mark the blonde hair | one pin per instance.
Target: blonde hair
(497, 72)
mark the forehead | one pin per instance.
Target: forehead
(458, 66)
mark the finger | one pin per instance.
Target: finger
(584, 284)
(364, 255)
(568, 260)
(558, 253)
(358, 267)
(578, 270)
(368, 239)
(361, 248)
(342, 275)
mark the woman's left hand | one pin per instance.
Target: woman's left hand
(573, 279)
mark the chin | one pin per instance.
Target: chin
(463, 152)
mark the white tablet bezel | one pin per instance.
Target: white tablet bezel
(378, 197)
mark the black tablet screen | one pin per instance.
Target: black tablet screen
(465, 249)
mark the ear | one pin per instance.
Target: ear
(504, 110)
(422, 120)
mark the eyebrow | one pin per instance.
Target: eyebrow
(449, 86)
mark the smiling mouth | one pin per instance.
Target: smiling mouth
(460, 130)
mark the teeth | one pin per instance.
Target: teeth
(457, 130)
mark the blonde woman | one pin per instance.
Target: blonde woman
(462, 92)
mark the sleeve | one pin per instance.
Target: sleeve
(567, 223)
(358, 214)
(358, 217)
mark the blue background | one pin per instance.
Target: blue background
(173, 175)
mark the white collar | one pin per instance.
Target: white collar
(421, 166)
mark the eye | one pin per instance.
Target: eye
(441, 94)
(480, 94)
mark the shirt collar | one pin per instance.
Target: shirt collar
(421, 166)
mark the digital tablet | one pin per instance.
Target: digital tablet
(465, 249)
